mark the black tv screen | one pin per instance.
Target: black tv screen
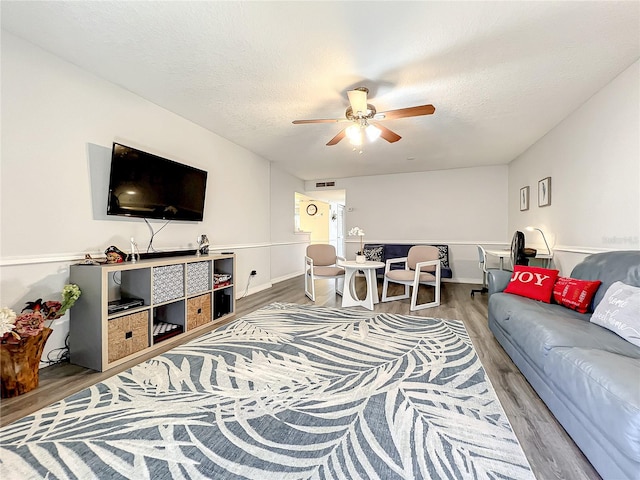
(144, 185)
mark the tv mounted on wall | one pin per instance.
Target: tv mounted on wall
(145, 185)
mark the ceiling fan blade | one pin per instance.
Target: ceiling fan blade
(320, 120)
(358, 100)
(387, 134)
(408, 112)
(338, 137)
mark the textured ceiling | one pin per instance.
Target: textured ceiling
(500, 74)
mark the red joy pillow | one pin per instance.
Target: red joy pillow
(575, 294)
(532, 282)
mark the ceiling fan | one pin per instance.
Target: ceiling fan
(362, 116)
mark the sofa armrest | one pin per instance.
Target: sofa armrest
(497, 280)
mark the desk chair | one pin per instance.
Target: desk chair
(482, 264)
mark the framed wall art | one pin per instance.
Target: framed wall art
(524, 198)
(544, 192)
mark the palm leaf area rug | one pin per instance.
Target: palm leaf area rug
(286, 392)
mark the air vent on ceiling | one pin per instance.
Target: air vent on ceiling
(325, 184)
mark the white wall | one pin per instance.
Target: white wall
(58, 125)
(288, 247)
(458, 207)
(593, 159)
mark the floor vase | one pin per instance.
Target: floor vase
(20, 363)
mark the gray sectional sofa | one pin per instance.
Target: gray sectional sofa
(588, 376)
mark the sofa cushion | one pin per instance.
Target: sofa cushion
(619, 311)
(609, 267)
(532, 282)
(374, 253)
(574, 293)
(409, 276)
(538, 327)
(601, 385)
(327, 271)
(444, 255)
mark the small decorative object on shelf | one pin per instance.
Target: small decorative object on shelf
(89, 260)
(115, 255)
(357, 231)
(203, 245)
(134, 256)
(22, 340)
(221, 280)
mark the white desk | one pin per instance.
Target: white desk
(507, 253)
(499, 253)
(349, 297)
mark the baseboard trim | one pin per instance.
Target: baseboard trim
(256, 289)
(473, 281)
(287, 277)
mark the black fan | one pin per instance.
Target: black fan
(519, 254)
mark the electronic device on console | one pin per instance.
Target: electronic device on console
(123, 304)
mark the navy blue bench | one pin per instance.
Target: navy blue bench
(381, 252)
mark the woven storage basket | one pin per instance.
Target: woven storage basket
(198, 311)
(128, 334)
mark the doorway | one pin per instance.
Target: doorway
(322, 215)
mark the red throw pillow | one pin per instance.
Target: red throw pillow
(532, 282)
(575, 294)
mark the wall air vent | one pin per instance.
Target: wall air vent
(325, 184)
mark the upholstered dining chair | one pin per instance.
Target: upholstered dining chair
(321, 262)
(422, 267)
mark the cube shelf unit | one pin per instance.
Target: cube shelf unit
(180, 295)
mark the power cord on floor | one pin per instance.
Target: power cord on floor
(58, 355)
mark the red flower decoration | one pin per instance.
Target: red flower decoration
(50, 309)
(29, 324)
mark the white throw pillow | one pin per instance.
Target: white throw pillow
(619, 311)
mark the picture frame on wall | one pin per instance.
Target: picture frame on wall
(544, 192)
(524, 198)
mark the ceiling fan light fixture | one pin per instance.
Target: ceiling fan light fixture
(373, 133)
(354, 134)
(360, 113)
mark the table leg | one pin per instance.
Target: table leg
(349, 298)
(372, 285)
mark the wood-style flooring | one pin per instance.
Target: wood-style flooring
(550, 451)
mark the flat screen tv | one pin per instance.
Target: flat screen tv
(144, 185)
